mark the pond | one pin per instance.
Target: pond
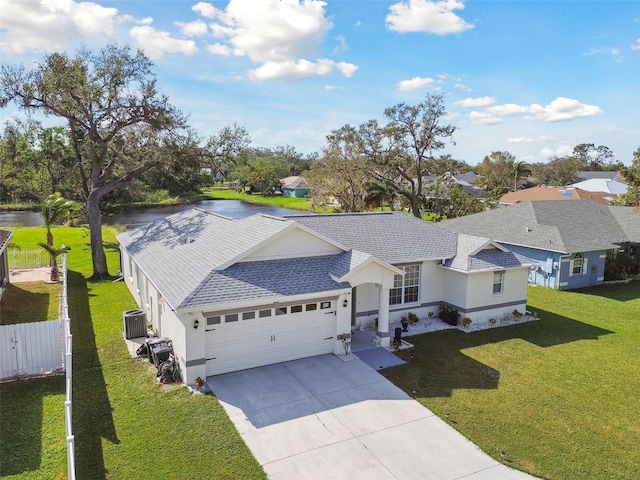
(142, 216)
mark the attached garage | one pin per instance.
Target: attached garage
(240, 340)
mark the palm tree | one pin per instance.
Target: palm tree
(55, 208)
(519, 170)
(381, 193)
(54, 253)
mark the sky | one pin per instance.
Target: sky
(534, 78)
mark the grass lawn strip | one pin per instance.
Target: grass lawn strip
(125, 424)
(30, 302)
(556, 395)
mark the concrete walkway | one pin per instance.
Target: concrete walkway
(324, 418)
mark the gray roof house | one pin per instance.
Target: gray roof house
(239, 293)
(569, 241)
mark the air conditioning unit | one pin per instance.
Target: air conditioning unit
(135, 323)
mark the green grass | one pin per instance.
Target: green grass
(558, 396)
(126, 425)
(30, 302)
(273, 200)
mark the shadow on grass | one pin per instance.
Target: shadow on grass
(437, 365)
(92, 412)
(621, 292)
(21, 420)
(21, 305)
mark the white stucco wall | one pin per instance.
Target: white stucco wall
(472, 294)
(294, 243)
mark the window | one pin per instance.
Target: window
(231, 318)
(213, 320)
(248, 315)
(311, 306)
(325, 305)
(265, 313)
(296, 309)
(577, 264)
(406, 289)
(498, 282)
(281, 311)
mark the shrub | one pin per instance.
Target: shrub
(412, 317)
(449, 315)
(516, 314)
(492, 321)
(466, 321)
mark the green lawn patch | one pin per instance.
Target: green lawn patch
(271, 200)
(30, 302)
(558, 395)
(126, 425)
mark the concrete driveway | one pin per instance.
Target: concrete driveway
(324, 418)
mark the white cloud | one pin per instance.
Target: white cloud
(461, 86)
(330, 88)
(206, 10)
(193, 29)
(636, 46)
(156, 43)
(416, 83)
(477, 102)
(540, 139)
(560, 109)
(483, 118)
(302, 68)
(560, 151)
(614, 53)
(50, 25)
(219, 49)
(272, 30)
(145, 21)
(279, 35)
(427, 16)
(342, 44)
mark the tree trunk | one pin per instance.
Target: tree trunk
(98, 257)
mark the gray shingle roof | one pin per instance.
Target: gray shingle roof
(390, 236)
(269, 279)
(629, 220)
(5, 236)
(566, 227)
(470, 259)
(180, 251)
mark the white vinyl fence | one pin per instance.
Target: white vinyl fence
(27, 258)
(68, 406)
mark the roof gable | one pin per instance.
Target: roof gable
(393, 237)
(547, 225)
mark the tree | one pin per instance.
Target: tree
(449, 200)
(519, 170)
(54, 209)
(102, 97)
(340, 175)
(261, 175)
(223, 148)
(382, 193)
(594, 158)
(631, 176)
(558, 171)
(54, 253)
(414, 134)
(497, 171)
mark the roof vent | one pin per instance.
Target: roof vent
(189, 240)
(528, 229)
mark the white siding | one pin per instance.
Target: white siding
(30, 348)
(294, 243)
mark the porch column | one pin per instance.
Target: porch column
(382, 334)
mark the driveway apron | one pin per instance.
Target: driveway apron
(324, 418)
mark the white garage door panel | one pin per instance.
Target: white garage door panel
(263, 341)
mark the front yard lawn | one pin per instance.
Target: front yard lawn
(558, 396)
(126, 425)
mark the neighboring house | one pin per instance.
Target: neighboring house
(465, 180)
(239, 293)
(294, 187)
(569, 241)
(536, 194)
(611, 187)
(588, 175)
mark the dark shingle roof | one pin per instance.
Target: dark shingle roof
(268, 279)
(390, 236)
(547, 225)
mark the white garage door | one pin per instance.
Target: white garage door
(243, 340)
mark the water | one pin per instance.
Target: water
(142, 216)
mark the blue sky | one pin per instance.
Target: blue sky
(534, 78)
